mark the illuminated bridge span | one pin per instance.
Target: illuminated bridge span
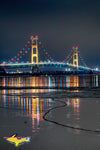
(32, 49)
(42, 64)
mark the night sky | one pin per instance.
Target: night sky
(59, 25)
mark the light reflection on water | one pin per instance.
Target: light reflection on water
(34, 107)
(75, 104)
(51, 81)
(80, 112)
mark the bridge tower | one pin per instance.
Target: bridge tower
(75, 56)
(34, 49)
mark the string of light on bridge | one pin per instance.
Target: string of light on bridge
(22, 53)
(46, 53)
(27, 49)
(71, 54)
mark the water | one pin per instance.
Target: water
(21, 112)
(51, 81)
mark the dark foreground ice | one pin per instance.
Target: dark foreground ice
(23, 114)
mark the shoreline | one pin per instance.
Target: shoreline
(46, 87)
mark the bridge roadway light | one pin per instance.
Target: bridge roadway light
(96, 69)
(69, 69)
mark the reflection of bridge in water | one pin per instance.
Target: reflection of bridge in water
(34, 108)
(25, 103)
(50, 82)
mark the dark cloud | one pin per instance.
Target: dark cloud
(59, 24)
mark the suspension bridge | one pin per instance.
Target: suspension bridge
(32, 50)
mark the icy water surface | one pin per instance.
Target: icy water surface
(22, 111)
(51, 81)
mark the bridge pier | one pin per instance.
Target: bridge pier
(35, 69)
